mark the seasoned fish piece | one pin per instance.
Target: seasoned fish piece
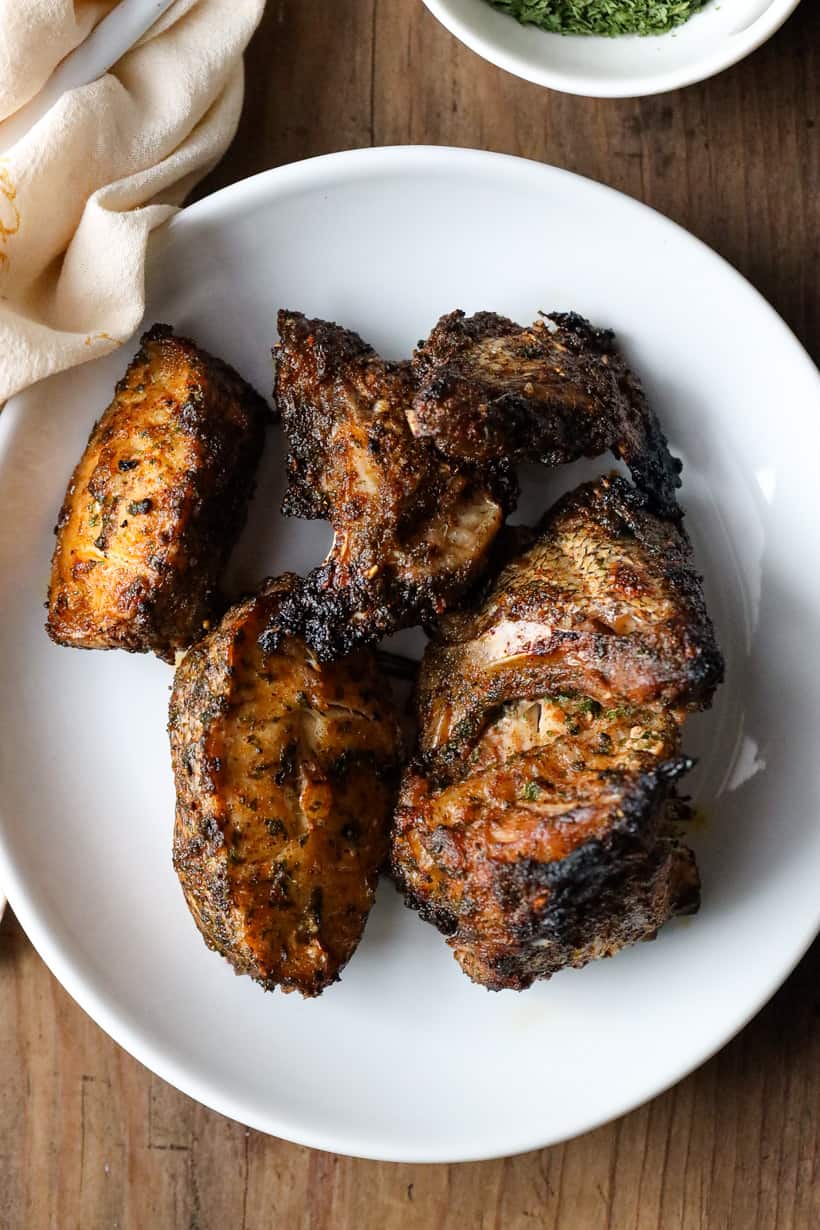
(606, 604)
(285, 775)
(531, 864)
(411, 530)
(156, 502)
(535, 827)
(553, 392)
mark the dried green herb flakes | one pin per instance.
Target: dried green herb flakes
(604, 17)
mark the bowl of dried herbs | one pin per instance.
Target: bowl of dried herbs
(613, 48)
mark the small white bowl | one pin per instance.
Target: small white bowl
(624, 67)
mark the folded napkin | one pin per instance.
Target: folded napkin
(110, 161)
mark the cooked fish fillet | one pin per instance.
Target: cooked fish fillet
(156, 502)
(285, 774)
(606, 604)
(535, 826)
(411, 530)
(529, 866)
(553, 392)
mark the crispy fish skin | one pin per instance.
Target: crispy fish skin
(285, 775)
(553, 392)
(412, 530)
(156, 502)
(535, 826)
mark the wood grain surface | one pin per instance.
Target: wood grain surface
(88, 1138)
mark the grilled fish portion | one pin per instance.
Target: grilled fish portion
(553, 392)
(606, 604)
(285, 775)
(535, 826)
(156, 502)
(529, 865)
(411, 530)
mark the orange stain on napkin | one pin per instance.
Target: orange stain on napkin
(9, 213)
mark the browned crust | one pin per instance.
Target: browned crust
(516, 915)
(552, 392)
(156, 502)
(412, 531)
(285, 775)
(613, 608)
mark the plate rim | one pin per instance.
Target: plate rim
(731, 50)
(70, 970)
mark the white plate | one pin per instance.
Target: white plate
(406, 1059)
(724, 32)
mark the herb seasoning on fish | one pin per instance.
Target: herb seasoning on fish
(604, 17)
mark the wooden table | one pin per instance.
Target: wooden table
(88, 1138)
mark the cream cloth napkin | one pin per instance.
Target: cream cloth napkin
(82, 190)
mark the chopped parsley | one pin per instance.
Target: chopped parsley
(137, 507)
(603, 17)
(531, 792)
